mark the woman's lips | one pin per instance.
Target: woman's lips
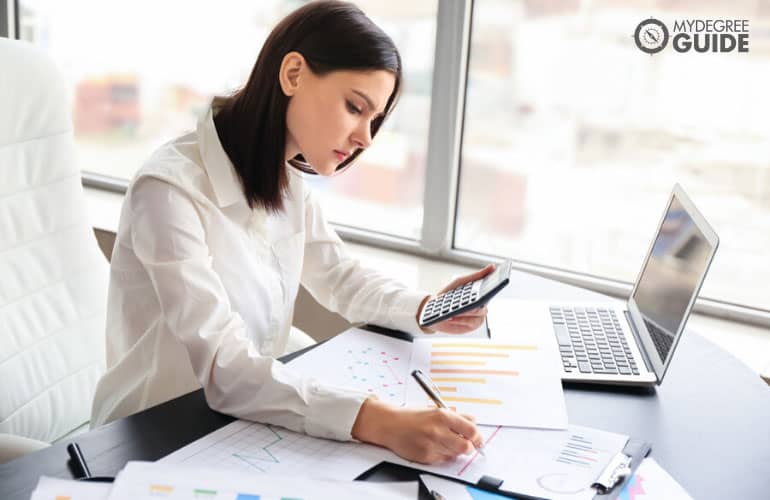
(340, 155)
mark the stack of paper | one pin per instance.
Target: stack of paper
(512, 384)
(146, 480)
(143, 480)
(547, 463)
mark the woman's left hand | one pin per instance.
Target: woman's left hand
(464, 322)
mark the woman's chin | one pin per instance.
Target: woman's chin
(327, 170)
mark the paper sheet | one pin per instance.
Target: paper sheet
(498, 382)
(360, 360)
(560, 465)
(147, 480)
(650, 481)
(243, 446)
(49, 488)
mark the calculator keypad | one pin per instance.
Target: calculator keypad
(450, 301)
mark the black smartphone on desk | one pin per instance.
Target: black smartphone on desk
(466, 297)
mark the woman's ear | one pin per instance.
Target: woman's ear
(292, 67)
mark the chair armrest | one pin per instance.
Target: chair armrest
(13, 446)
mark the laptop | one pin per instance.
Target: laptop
(600, 343)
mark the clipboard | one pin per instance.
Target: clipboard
(636, 451)
(608, 485)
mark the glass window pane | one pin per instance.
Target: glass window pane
(574, 138)
(140, 74)
(384, 190)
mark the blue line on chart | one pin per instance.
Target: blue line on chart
(273, 459)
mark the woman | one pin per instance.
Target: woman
(218, 229)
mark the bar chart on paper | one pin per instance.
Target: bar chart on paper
(153, 480)
(259, 449)
(499, 383)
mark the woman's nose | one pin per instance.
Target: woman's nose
(362, 137)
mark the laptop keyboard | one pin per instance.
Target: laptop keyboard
(591, 341)
(660, 338)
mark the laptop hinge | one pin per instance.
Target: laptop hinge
(639, 344)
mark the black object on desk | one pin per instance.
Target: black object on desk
(80, 467)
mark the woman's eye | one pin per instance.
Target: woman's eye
(352, 108)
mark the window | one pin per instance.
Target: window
(142, 73)
(384, 190)
(573, 139)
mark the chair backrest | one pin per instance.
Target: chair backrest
(53, 277)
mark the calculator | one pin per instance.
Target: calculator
(466, 297)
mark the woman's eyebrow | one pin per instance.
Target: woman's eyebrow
(367, 99)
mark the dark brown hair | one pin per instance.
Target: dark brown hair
(251, 124)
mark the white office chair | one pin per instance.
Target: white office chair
(53, 277)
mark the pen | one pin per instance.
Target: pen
(433, 393)
(78, 462)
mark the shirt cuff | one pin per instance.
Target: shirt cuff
(332, 411)
(403, 312)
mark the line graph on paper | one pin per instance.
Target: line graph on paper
(258, 448)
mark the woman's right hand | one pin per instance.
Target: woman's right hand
(427, 436)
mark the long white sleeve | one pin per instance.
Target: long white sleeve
(341, 284)
(169, 240)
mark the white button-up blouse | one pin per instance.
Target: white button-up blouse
(202, 292)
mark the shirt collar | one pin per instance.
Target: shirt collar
(224, 179)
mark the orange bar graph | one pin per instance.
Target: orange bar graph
(507, 347)
(475, 372)
(62, 497)
(458, 362)
(467, 380)
(447, 389)
(470, 354)
(160, 489)
(457, 399)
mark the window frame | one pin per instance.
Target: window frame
(443, 172)
(9, 21)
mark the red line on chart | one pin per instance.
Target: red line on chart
(394, 374)
(476, 453)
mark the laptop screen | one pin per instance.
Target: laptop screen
(672, 275)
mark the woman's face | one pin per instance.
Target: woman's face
(330, 116)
